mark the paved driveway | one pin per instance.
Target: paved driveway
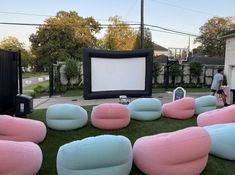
(44, 102)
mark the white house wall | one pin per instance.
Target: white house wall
(229, 58)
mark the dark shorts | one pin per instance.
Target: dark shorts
(221, 91)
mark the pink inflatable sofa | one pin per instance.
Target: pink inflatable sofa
(183, 152)
(217, 116)
(19, 129)
(180, 109)
(19, 158)
(110, 116)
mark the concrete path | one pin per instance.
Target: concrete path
(44, 102)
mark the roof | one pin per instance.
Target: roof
(160, 58)
(201, 59)
(229, 34)
(209, 60)
(159, 48)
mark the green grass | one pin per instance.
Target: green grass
(135, 130)
(73, 92)
(43, 83)
(29, 89)
(33, 74)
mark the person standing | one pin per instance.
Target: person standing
(216, 85)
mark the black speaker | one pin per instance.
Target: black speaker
(24, 105)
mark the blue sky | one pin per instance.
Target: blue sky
(182, 15)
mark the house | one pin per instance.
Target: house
(205, 60)
(208, 61)
(210, 66)
(229, 66)
(159, 50)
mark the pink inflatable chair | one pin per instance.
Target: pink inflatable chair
(217, 116)
(180, 109)
(110, 116)
(183, 152)
(19, 158)
(19, 129)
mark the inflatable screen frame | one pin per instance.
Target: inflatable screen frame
(138, 87)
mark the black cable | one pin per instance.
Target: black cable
(102, 26)
(21, 13)
(185, 8)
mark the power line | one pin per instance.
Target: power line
(185, 8)
(171, 30)
(102, 26)
(44, 15)
(163, 31)
(25, 14)
(80, 26)
(131, 23)
(130, 9)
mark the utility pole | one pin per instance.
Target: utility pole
(142, 25)
(189, 44)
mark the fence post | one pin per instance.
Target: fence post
(182, 76)
(204, 75)
(20, 72)
(51, 80)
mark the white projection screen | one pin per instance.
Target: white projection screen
(113, 73)
(117, 74)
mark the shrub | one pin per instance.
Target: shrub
(156, 71)
(175, 71)
(39, 89)
(71, 69)
(32, 94)
(196, 70)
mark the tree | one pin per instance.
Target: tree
(156, 71)
(195, 69)
(63, 36)
(71, 69)
(147, 39)
(12, 43)
(211, 32)
(119, 35)
(175, 71)
(198, 50)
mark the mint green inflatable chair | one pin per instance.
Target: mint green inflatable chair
(101, 155)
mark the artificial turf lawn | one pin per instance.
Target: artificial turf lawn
(135, 130)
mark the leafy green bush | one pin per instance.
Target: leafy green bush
(39, 89)
(196, 70)
(32, 94)
(71, 69)
(175, 71)
(156, 71)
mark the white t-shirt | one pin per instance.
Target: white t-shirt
(215, 82)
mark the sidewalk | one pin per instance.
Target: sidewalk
(44, 102)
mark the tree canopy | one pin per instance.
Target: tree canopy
(119, 35)
(147, 39)
(63, 36)
(211, 32)
(14, 44)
